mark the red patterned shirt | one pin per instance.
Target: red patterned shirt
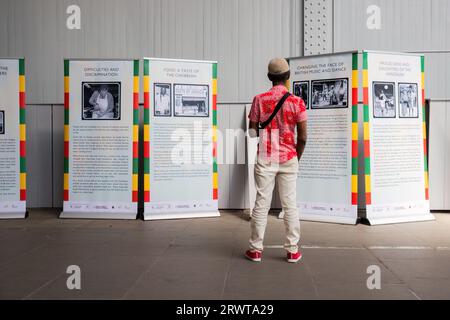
(277, 141)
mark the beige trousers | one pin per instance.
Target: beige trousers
(285, 174)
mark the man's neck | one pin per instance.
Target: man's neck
(274, 84)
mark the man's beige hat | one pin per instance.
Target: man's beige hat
(278, 66)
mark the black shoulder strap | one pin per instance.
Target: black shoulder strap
(280, 103)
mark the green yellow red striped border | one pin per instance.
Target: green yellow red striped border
(66, 128)
(146, 87)
(424, 128)
(135, 129)
(367, 171)
(23, 132)
(355, 86)
(135, 179)
(214, 133)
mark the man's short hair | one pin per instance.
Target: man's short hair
(279, 77)
(103, 87)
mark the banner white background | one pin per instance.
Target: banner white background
(10, 204)
(181, 151)
(397, 180)
(324, 189)
(101, 146)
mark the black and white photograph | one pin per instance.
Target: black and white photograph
(101, 100)
(301, 89)
(163, 107)
(384, 100)
(191, 100)
(408, 100)
(2, 122)
(329, 94)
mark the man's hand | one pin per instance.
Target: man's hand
(253, 129)
(301, 138)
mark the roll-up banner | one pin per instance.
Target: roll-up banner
(396, 171)
(180, 139)
(327, 187)
(101, 128)
(12, 139)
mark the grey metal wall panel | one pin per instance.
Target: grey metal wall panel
(318, 26)
(406, 25)
(57, 156)
(223, 122)
(232, 177)
(447, 162)
(39, 149)
(241, 34)
(438, 155)
(3, 27)
(233, 174)
(237, 172)
(437, 75)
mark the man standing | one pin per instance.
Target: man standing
(162, 105)
(278, 156)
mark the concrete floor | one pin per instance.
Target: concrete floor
(203, 259)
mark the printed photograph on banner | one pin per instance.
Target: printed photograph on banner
(101, 100)
(329, 94)
(301, 89)
(191, 100)
(163, 107)
(2, 122)
(408, 96)
(383, 100)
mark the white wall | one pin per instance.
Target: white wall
(241, 34)
(419, 26)
(439, 155)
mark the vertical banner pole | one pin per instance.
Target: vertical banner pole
(146, 131)
(23, 136)
(13, 132)
(424, 128)
(366, 129)
(355, 86)
(66, 128)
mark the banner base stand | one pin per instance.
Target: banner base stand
(392, 220)
(13, 215)
(98, 215)
(317, 218)
(166, 216)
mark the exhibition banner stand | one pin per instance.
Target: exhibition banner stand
(396, 172)
(12, 139)
(327, 184)
(393, 144)
(101, 128)
(180, 139)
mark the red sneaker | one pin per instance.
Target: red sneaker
(294, 257)
(253, 255)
